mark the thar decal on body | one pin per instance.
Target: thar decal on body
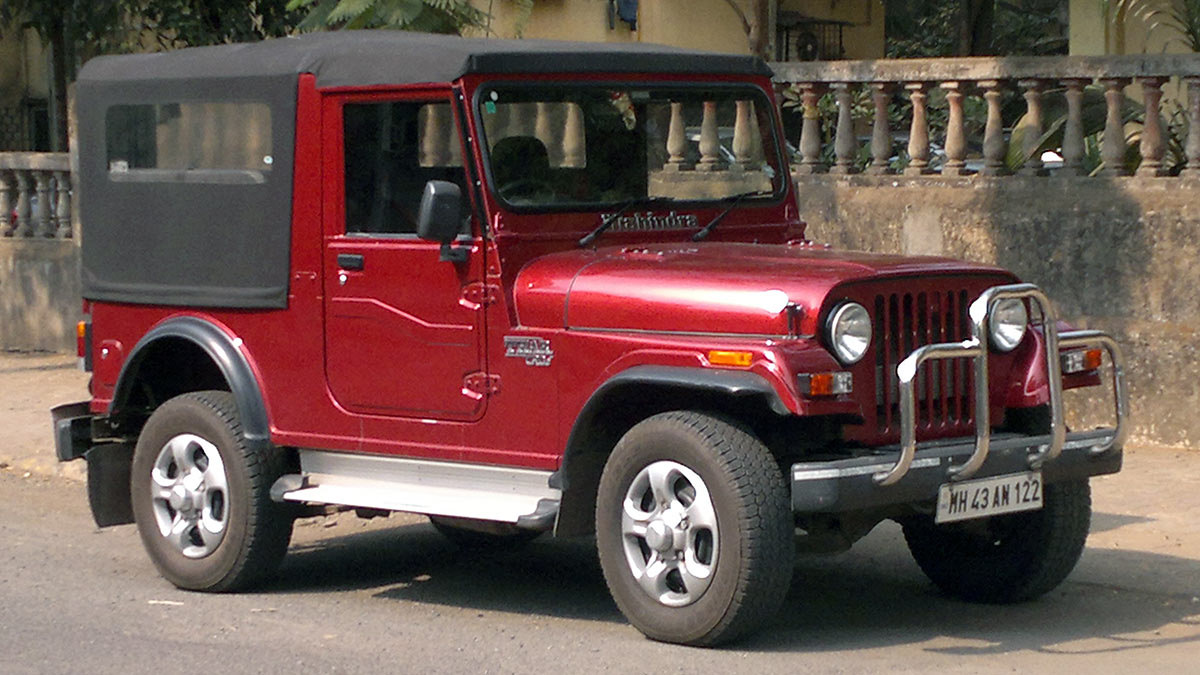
(535, 350)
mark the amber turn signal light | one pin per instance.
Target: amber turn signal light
(826, 384)
(1080, 361)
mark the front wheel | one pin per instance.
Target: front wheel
(201, 496)
(1009, 558)
(694, 529)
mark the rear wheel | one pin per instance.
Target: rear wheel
(201, 496)
(694, 529)
(1009, 558)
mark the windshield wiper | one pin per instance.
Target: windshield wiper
(611, 219)
(737, 199)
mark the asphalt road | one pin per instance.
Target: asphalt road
(390, 595)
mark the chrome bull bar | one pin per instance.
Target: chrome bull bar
(976, 348)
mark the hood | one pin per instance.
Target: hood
(706, 288)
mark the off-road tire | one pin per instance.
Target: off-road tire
(754, 550)
(1008, 558)
(470, 534)
(257, 532)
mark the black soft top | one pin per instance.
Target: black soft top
(372, 57)
(198, 240)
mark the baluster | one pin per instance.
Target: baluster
(810, 132)
(43, 226)
(742, 140)
(918, 135)
(1073, 131)
(1033, 165)
(956, 141)
(543, 128)
(1192, 149)
(1152, 147)
(7, 226)
(574, 155)
(993, 131)
(1112, 149)
(677, 140)
(23, 226)
(757, 155)
(845, 146)
(881, 131)
(710, 142)
(62, 210)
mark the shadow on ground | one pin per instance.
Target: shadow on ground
(873, 596)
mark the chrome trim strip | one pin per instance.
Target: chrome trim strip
(976, 349)
(686, 333)
(825, 474)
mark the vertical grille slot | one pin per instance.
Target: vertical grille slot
(944, 389)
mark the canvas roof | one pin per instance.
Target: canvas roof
(372, 57)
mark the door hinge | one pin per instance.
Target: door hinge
(479, 294)
(478, 385)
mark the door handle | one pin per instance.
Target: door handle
(350, 261)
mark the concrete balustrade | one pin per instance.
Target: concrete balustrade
(1035, 78)
(35, 195)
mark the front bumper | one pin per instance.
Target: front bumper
(909, 472)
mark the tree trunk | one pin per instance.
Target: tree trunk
(976, 21)
(58, 88)
(756, 24)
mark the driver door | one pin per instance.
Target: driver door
(400, 340)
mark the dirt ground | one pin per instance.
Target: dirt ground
(1132, 603)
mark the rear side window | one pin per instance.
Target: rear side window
(221, 142)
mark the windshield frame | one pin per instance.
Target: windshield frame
(629, 82)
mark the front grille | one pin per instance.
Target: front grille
(944, 389)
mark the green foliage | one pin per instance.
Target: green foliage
(182, 23)
(1178, 19)
(95, 23)
(929, 28)
(430, 16)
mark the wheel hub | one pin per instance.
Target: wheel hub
(670, 533)
(189, 495)
(660, 536)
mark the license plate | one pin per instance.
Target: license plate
(989, 497)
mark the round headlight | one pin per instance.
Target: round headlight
(1008, 322)
(849, 332)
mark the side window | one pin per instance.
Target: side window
(197, 142)
(391, 150)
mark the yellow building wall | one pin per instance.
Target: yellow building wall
(1091, 35)
(696, 24)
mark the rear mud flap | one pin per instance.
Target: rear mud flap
(109, 466)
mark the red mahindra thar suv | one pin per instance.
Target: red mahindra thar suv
(524, 287)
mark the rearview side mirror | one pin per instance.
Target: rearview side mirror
(438, 219)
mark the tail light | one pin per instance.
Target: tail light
(83, 345)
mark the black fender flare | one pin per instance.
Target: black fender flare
(224, 352)
(742, 384)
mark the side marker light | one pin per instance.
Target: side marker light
(726, 358)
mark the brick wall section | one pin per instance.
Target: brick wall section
(1121, 255)
(39, 294)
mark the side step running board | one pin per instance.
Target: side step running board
(502, 494)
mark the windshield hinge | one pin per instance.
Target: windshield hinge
(479, 294)
(478, 385)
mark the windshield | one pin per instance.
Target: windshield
(576, 146)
